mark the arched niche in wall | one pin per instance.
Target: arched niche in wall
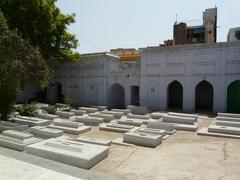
(175, 95)
(233, 97)
(152, 95)
(204, 93)
(117, 96)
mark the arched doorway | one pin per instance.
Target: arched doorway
(175, 95)
(117, 96)
(204, 96)
(54, 92)
(233, 97)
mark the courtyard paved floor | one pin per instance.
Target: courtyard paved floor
(183, 155)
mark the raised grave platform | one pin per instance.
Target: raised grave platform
(230, 119)
(204, 132)
(178, 119)
(134, 122)
(100, 108)
(96, 141)
(17, 140)
(134, 116)
(64, 114)
(106, 117)
(184, 115)
(6, 125)
(31, 121)
(47, 116)
(228, 123)
(117, 115)
(157, 115)
(122, 128)
(141, 110)
(44, 132)
(231, 115)
(78, 112)
(89, 120)
(70, 127)
(142, 139)
(224, 129)
(82, 155)
(125, 111)
(169, 127)
(89, 110)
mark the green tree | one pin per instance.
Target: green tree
(19, 62)
(43, 24)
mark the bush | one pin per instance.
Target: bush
(27, 110)
(68, 101)
(50, 109)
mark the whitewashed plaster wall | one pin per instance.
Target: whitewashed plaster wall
(218, 64)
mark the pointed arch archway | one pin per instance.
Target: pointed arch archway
(233, 97)
(117, 96)
(175, 95)
(204, 96)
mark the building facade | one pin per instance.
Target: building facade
(187, 77)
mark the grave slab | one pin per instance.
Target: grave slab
(224, 129)
(228, 123)
(122, 128)
(157, 115)
(47, 116)
(204, 132)
(125, 111)
(89, 120)
(64, 114)
(117, 115)
(78, 112)
(44, 132)
(31, 121)
(142, 139)
(231, 115)
(89, 110)
(141, 110)
(178, 119)
(230, 119)
(17, 140)
(106, 117)
(6, 125)
(134, 122)
(169, 127)
(184, 115)
(134, 116)
(82, 155)
(100, 108)
(97, 141)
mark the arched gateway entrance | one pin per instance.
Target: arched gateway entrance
(204, 96)
(233, 97)
(117, 96)
(175, 95)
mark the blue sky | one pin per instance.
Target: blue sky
(102, 25)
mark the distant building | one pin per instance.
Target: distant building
(129, 54)
(205, 33)
(234, 34)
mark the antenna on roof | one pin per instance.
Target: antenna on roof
(176, 19)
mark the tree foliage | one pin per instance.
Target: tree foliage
(43, 24)
(19, 62)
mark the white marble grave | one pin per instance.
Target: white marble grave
(44, 132)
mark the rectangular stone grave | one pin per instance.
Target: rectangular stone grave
(224, 129)
(31, 121)
(230, 119)
(231, 115)
(186, 127)
(141, 110)
(70, 127)
(228, 123)
(89, 110)
(82, 155)
(64, 114)
(152, 131)
(106, 117)
(134, 122)
(97, 141)
(117, 115)
(17, 140)
(184, 115)
(89, 120)
(6, 125)
(125, 111)
(178, 119)
(117, 127)
(78, 112)
(157, 115)
(142, 139)
(134, 116)
(169, 127)
(62, 105)
(47, 116)
(204, 132)
(44, 132)
(100, 108)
